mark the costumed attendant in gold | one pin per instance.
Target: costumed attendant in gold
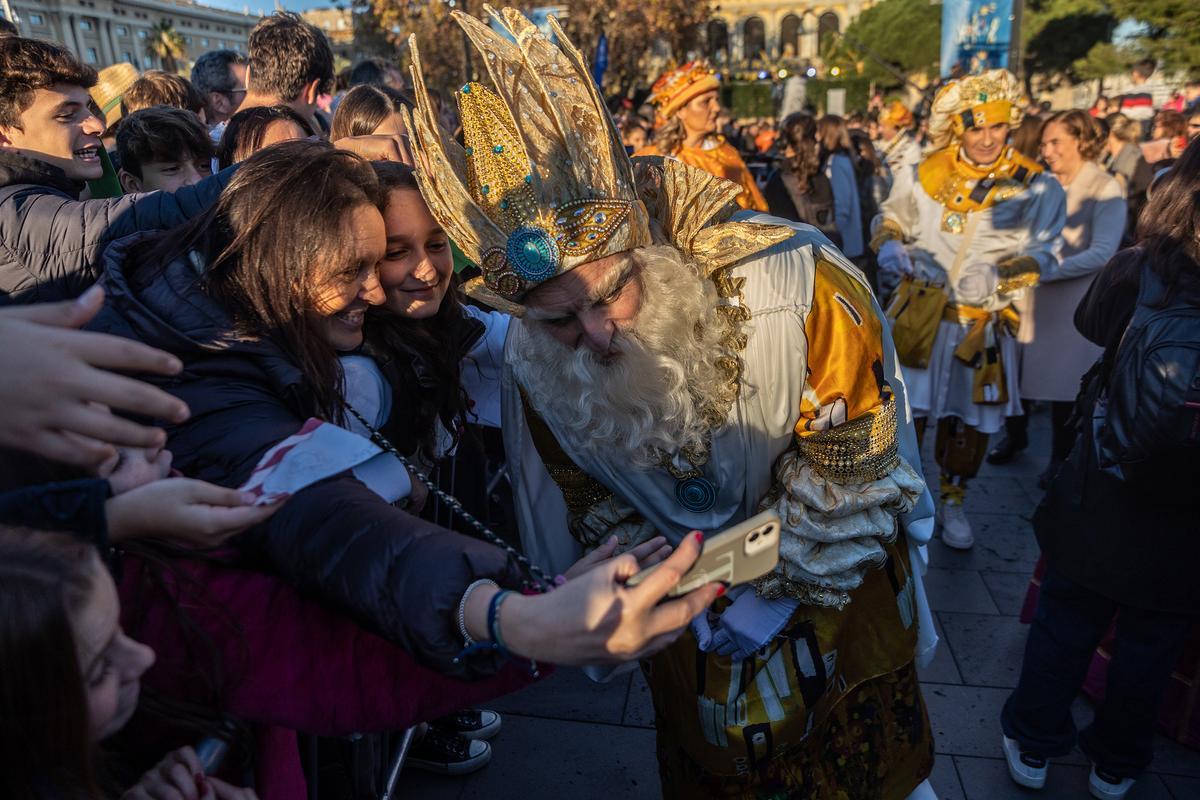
(896, 143)
(676, 369)
(970, 230)
(686, 128)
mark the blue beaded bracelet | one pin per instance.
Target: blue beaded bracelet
(493, 621)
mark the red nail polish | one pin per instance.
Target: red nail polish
(699, 536)
(720, 590)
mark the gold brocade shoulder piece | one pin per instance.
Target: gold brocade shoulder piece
(962, 188)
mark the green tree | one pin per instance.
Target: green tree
(902, 34)
(1172, 32)
(167, 45)
(1058, 36)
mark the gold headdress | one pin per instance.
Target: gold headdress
(897, 115)
(543, 184)
(677, 88)
(975, 101)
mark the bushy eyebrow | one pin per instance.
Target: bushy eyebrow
(614, 280)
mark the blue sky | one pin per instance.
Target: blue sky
(268, 6)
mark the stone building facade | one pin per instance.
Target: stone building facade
(746, 31)
(104, 32)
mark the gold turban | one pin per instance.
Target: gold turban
(680, 86)
(975, 101)
(896, 115)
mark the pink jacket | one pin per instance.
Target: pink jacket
(289, 663)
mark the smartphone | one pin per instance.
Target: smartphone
(736, 555)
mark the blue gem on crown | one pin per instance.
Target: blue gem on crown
(532, 253)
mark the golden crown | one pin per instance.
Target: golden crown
(527, 202)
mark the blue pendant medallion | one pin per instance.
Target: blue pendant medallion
(696, 494)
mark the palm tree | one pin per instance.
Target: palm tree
(166, 44)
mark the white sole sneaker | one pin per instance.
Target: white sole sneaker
(1023, 773)
(956, 528)
(489, 726)
(1104, 789)
(475, 755)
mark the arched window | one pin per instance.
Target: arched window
(828, 27)
(718, 40)
(789, 37)
(754, 38)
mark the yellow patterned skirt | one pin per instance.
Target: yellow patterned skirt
(830, 710)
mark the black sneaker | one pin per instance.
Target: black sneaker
(1007, 450)
(473, 723)
(448, 753)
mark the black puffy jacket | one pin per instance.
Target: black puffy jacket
(51, 242)
(394, 573)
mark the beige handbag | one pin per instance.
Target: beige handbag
(916, 308)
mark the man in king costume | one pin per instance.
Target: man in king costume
(970, 229)
(679, 367)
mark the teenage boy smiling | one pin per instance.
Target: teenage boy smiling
(50, 241)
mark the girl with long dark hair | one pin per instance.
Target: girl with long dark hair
(798, 190)
(70, 677)
(837, 164)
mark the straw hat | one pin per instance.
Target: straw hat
(113, 82)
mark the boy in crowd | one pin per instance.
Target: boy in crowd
(50, 241)
(163, 149)
(158, 88)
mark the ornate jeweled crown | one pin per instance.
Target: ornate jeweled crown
(543, 183)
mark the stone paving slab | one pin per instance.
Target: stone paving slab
(545, 759)
(958, 590)
(987, 648)
(943, 668)
(1003, 543)
(569, 694)
(987, 779)
(1008, 590)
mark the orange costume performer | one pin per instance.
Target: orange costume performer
(714, 155)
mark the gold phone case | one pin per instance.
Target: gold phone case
(736, 555)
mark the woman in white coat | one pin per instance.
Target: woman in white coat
(1054, 355)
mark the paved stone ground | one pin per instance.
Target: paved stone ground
(571, 738)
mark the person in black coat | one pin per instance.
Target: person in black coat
(257, 298)
(50, 240)
(1116, 543)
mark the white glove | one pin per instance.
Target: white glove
(746, 626)
(894, 258)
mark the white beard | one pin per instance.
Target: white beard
(659, 394)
